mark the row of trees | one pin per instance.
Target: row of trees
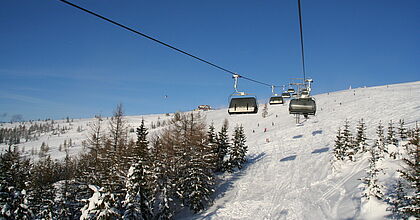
(26, 133)
(399, 144)
(150, 178)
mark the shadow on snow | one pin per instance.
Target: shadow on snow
(320, 150)
(289, 158)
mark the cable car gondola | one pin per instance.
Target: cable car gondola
(302, 106)
(285, 95)
(275, 100)
(304, 93)
(244, 104)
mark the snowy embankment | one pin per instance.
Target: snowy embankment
(289, 174)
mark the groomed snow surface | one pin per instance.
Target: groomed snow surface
(289, 174)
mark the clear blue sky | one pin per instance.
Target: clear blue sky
(56, 61)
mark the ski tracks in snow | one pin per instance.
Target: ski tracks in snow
(338, 187)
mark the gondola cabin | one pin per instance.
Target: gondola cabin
(291, 90)
(285, 95)
(302, 106)
(276, 100)
(304, 94)
(243, 105)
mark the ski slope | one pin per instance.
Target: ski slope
(289, 174)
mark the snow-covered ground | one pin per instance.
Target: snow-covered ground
(289, 174)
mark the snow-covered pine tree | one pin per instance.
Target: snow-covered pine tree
(141, 179)
(200, 179)
(165, 195)
(402, 131)
(360, 139)
(237, 151)
(339, 152)
(390, 138)
(222, 146)
(411, 173)
(371, 186)
(348, 145)
(14, 172)
(66, 204)
(99, 206)
(212, 146)
(397, 200)
(41, 193)
(133, 199)
(381, 143)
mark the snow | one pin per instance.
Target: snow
(291, 175)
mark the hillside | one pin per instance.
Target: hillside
(289, 174)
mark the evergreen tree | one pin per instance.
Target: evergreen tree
(348, 145)
(14, 172)
(372, 188)
(360, 139)
(390, 139)
(99, 206)
(402, 131)
(222, 147)
(66, 204)
(411, 173)
(200, 180)
(164, 170)
(237, 151)
(141, 179)
(339, 153)
(41, 192)
(398, 201)
(213, 148)
(381, 143)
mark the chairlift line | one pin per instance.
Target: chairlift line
(161, 42)
(301, 42)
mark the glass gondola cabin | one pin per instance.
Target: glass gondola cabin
(285, 95)
(302, 106)
(291, 90)
(243, 105)
(276, 100)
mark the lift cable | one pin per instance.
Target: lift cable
(163, 43)
(301, 42)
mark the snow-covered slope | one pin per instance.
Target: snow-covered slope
(289, 174)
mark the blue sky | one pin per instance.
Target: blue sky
(57, 61)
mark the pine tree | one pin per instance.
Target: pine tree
(212, 146)
(372, 188)
(141, 179)
(411, 173)
(200, 180)
(390, 139)
(348, 145)
(398, 201)
(14, 172)
(237, 151)
(41, 192)
(360, 139)
(402, 131)
(381, 143)
(222, 147)
(339, 152)
(99, 206)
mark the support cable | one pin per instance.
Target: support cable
(162, 43)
